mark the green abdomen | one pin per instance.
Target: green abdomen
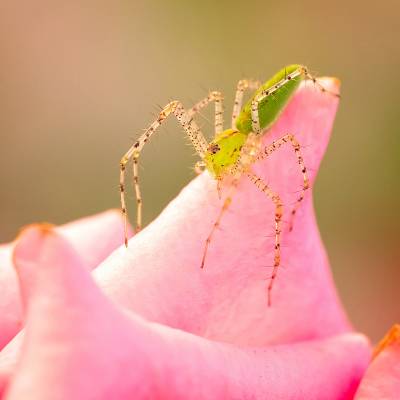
(270, 108)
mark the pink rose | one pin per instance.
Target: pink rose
(94, 238)
(148, 323)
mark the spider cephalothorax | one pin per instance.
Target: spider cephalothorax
(224, 152)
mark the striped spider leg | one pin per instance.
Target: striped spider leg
(275, 198)
(290, 139)
(266, 152)
(185, 118)
(242, 85)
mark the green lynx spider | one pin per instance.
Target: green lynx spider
(233, 151)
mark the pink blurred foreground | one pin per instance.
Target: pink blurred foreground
(147, 323)
(382, 379)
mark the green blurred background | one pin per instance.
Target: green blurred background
(80, 80)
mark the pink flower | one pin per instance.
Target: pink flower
(94, 238)
(150, 324)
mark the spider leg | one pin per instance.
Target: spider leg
(278, 219)
(267, 151)
(242, 85)
(218, 98)
(312, 78)
(193, 132)
(225, 206)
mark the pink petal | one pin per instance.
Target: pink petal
(10, 305)
(159, 276)
(93, 237)
(9, 356)
(79, 345)
(382, 379)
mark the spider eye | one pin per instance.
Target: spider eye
(213, 148)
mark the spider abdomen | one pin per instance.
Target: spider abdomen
(277, 91)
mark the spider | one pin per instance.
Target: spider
(233, 151)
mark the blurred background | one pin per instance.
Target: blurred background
(80, 80)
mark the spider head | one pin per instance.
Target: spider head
(223, 152)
